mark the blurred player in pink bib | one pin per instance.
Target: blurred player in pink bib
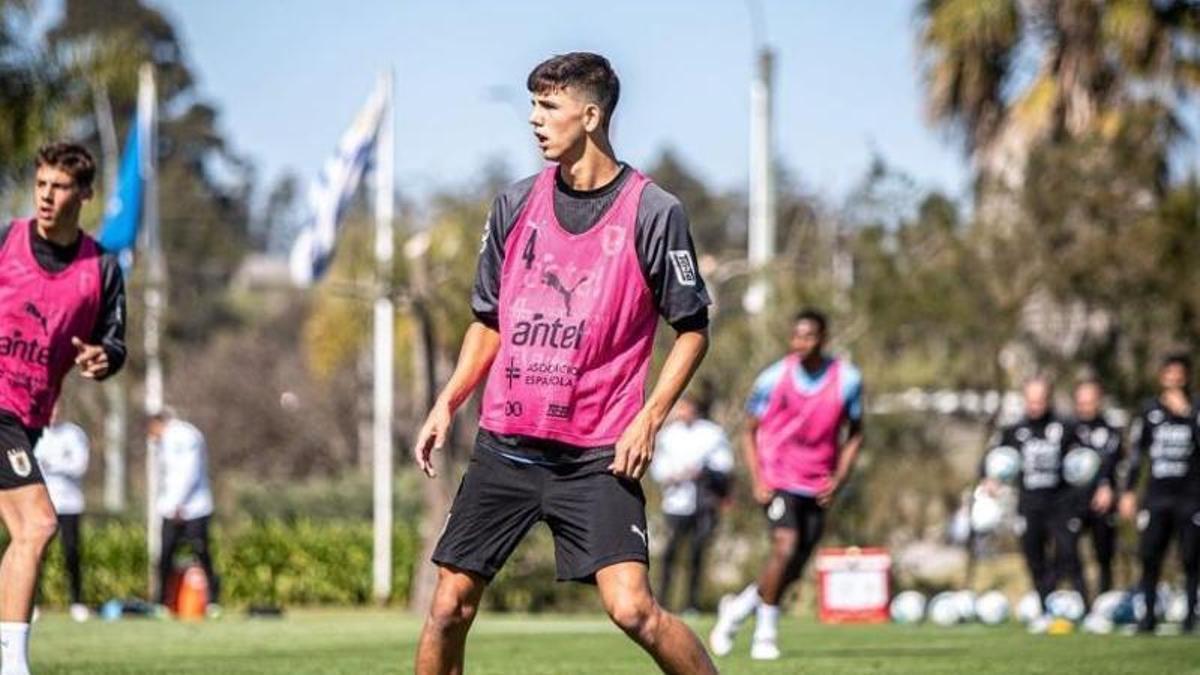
(803, 432)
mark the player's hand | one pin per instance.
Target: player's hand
(91, 359)
(991, 486)
(432, 437)
(1128, 506)
(635, 448)
(1103, 499)
(825, 496)
(1177, 401)
(762, 493)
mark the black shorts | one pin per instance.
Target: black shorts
(18, 467)
(794, 512)
(596, 518)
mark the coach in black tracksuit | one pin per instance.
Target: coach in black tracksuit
(1043, 498)
(1165, 437)
(1094, 504)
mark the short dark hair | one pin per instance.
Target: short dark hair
(584, 71)
(1178, 359)
(71, 158)
(814, 315)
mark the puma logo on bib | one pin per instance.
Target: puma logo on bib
(551, 279)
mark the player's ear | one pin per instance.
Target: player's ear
(593, 117)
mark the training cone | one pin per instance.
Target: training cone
(1060, 627)
(192, 601)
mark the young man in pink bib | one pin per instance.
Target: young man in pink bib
(578, 263)
(803, 432)
(62, 303)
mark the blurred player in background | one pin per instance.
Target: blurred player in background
(692, 462)
(1094, 498)
(185, 500)
(803, 433)
(1165, 439)
(1050, 534)
(62, 454)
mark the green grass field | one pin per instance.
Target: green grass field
(383, 642)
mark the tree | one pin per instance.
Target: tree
(205, 186)
(28, 100)
(709, 214)
(1005, 75)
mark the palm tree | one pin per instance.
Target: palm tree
(26, 101)
(1005, 75)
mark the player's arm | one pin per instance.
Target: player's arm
(762, 493)
(1102, 498)
(479, 349)
(482, 340)
(635, 447)
(102, 354)
(1139, 447)
(756, 407)
(848, 452)
(847, 456)
(667, 257)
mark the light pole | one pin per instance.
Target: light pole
(761, 225)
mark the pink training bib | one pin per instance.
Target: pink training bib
(41, 313)
(577, 324)
(798, 433)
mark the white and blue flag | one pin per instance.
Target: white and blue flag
(328, 199)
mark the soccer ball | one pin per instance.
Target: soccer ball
(1097, 624)
(943, 609)
(908, 607)
(966, 605)
(1130, 609)
(1029, 607)
(1176, 606)
(1002, 464)
(1067, 605)
(1105, 605)
(986, 512)
(1080, 466)
(992, 608)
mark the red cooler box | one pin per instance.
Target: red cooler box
(854, 584)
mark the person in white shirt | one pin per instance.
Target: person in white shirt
(62, 454)
(692, 464)
(185, 501)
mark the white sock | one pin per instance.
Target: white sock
(743, 603)
(14, 648)
(766, 625)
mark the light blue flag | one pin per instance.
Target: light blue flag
(122, 214)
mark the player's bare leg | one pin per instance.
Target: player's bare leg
(31, 522)
(29, 517)
(443, 641)
(625, 593)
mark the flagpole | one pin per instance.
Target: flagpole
(384, 321)
(117, 412)
(155, 300)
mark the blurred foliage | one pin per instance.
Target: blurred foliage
(1006, 75)
(300, 562)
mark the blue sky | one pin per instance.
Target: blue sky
(288, 76)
